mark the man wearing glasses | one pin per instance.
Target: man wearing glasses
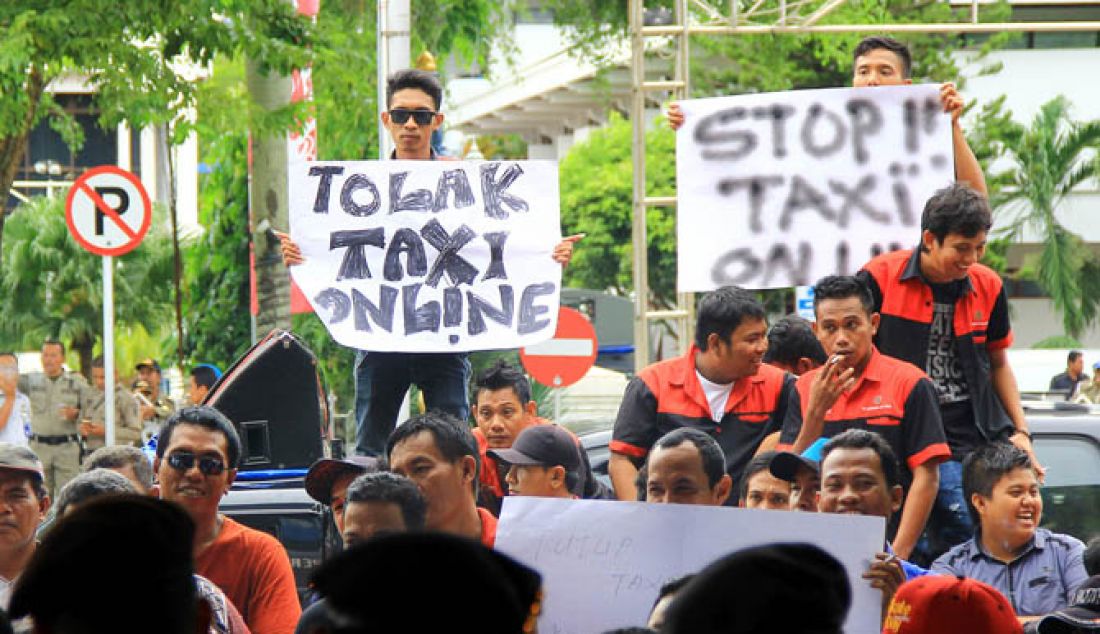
(196, 463)
(413, 99)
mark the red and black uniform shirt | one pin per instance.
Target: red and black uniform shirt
(979, 324)
(891, 398)
(667, 395)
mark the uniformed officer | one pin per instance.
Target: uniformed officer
(56, 397)
(127, 416)
(155, 407)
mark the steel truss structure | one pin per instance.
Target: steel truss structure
(747, 17)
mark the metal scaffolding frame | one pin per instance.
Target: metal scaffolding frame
(745, 17)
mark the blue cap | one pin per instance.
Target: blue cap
(217, 371)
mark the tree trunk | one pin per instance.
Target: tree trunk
(83, 347)
(12, 148)
(177, 260)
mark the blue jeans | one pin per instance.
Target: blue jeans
(381, 380)
(949, 523)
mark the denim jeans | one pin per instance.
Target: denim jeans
(949, 523)
(381, 380)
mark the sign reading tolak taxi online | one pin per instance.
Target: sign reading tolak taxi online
(781, 189)
(429, 256)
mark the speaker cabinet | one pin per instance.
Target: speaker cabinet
(274, 396)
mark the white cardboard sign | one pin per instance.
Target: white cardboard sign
(781, 189)
(429, 256)
(602, 562)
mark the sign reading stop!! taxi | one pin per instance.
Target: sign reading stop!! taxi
(566, 358)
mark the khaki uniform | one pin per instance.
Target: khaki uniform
(53, 437)
(163, 408)
(1092, 391)
(127, 418)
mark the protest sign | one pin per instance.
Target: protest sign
(781, 189)
(603, 562)
(429, 256)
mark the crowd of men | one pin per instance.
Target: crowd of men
(897, 402)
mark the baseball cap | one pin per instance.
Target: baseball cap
(546, 445)
(934, 604)
(773, 588)
(19, 458)
(1082, 615)
(326, 471)
(1096, 366)
(785, 465)
(148, 362)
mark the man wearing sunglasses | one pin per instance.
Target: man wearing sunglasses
(196, 463)
(413, 100)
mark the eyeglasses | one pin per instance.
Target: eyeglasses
(401, 115)
(184, 460)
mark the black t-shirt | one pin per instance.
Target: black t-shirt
(947, 374)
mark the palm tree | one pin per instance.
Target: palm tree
(1050, 159)
(52, 288)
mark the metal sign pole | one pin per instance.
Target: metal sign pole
(109, 350)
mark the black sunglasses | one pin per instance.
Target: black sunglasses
(401, 115)
(184, 460)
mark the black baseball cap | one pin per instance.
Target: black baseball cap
(1082, 615)
(326, 471)
(545, 445)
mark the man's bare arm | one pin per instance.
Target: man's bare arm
(1004, 384)
(918, 505)
(623, 473)
(967, 168)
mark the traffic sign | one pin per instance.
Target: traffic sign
(108, 211)
(567, 357)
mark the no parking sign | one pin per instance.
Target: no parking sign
(108, 211)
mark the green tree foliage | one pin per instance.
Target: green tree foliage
(141, 55)
(50, 287)
(596, 188)
(1049, 159)
(216, 301)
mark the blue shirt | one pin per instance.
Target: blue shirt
(1041, 580)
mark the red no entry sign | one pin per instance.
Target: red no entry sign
(567, 357)
(108, 210)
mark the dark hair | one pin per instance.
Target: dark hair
(863, 439)
(983, 468)
(641, 481)
(54, 342)
(843, 287)
(415, 79)
(721, 311)
(956, 209)
(672, 587)
(1092, 557)
(451, 436)
(89, 557)
(710, 452)
(1073, 356)
(382, 486)
(760, 462)
(203, 416)
(204, 376)
(876, 42)
(9, 353)
(502, 375)
(119, 456)
(98, 362)
(90, 485)
(792, 338)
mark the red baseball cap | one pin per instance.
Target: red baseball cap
(935, 604)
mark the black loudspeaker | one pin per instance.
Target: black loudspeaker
(274, 395)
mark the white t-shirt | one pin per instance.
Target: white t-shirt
(15, 431)
(717, 395)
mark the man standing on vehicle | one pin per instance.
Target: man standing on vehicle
(413, 99)
(947, 314)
